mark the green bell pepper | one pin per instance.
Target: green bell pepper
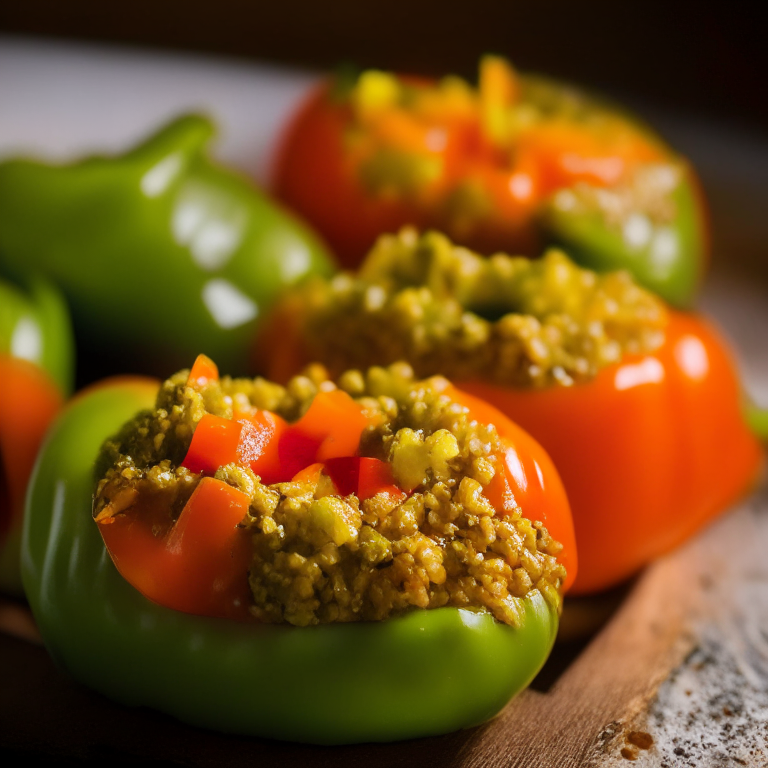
(35, 326)
(427, 672)
(161, 252)
(666, 253)
(36, 368)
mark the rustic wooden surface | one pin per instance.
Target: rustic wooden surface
(677, 677)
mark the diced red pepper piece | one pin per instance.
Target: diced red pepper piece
(215, 443)
(363, 476)
(376, 477)
(203, 371)
(296, 451)
(200, 566)
(345, 473)
(330, 428)
(263, 441)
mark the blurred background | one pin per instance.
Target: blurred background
(709, 59)
(696, 71)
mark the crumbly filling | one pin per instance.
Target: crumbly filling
(447, 310)
(321, 557)
(395, 133)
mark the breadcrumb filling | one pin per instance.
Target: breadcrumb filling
(508, 320)
(322, 557)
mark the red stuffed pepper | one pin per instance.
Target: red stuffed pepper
(514, 164)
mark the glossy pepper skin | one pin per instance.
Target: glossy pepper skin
(326, 684)
(160, 251)
(36, 367)
(357, 163)
(649, 451)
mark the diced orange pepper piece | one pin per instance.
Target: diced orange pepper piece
(310, 474)
(264, 441)
(203, 370)
(215, 443)
(331, 427)
(342, 420)
(249, 442)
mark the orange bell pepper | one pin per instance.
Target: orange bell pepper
(649, 451)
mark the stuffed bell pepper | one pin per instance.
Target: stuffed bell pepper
(36, 369)
(160, 251)
(369, 560)
(638, 406)
(514, 164)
